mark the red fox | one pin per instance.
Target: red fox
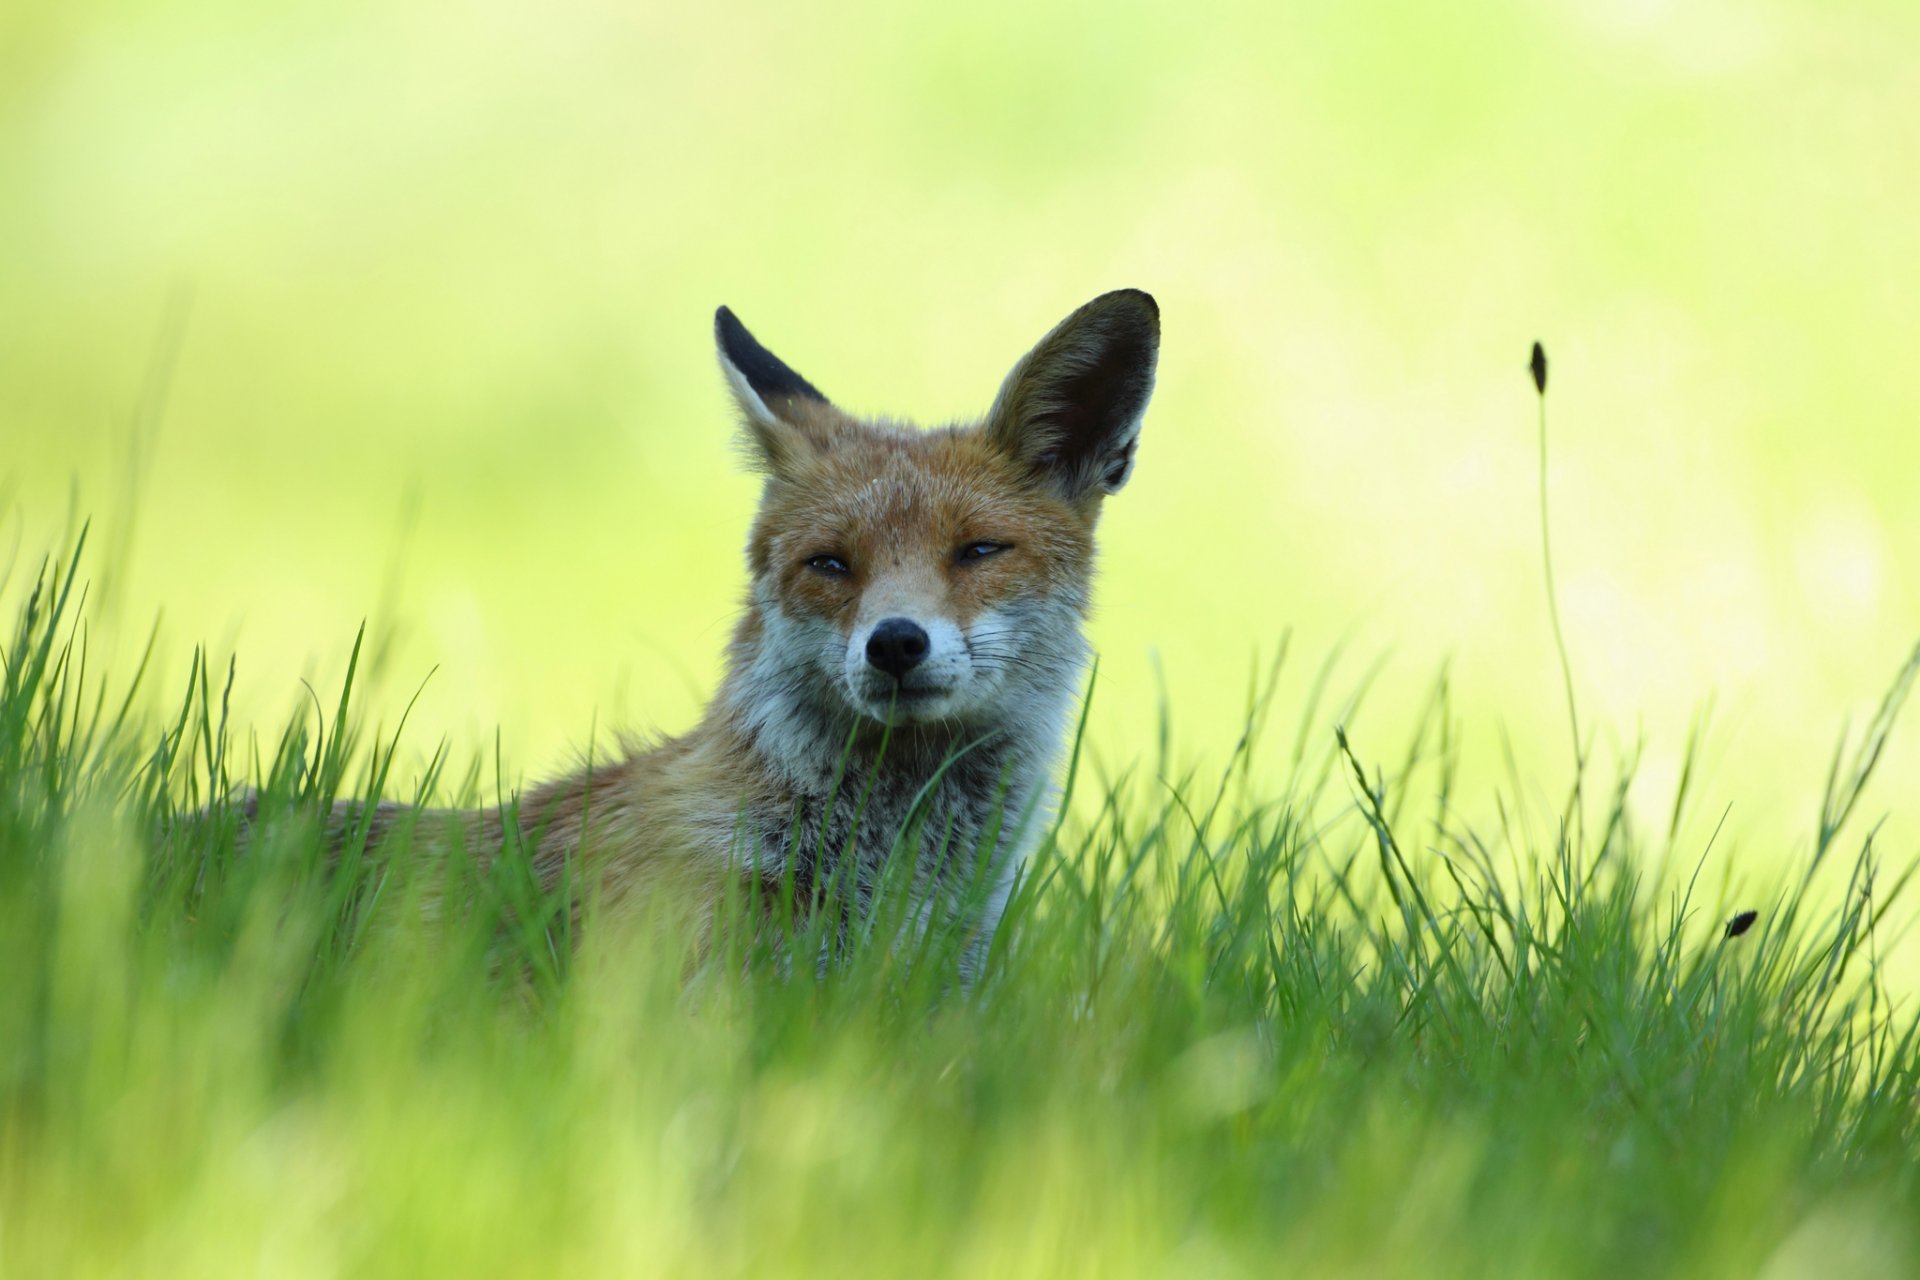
(911, 651)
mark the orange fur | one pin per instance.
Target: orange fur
(862, 522)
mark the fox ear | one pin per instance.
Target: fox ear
(1071, 408)
(766, 391)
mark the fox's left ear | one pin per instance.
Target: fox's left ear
(1071, 408)
(767, 392)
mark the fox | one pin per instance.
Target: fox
(908, 660)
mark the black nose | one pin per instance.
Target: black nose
(897, 646)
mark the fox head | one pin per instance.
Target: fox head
(934, 577)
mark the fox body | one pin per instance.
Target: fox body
(901, 680)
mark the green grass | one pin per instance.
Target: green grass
(1283, 1017)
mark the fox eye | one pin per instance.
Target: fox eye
(972, 551)
(832, 566)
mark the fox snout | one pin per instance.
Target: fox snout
(897, 645)
(910, 668)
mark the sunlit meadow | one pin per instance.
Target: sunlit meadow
(399, 312)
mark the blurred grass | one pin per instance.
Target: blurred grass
(1324, 1027)
(438, 278)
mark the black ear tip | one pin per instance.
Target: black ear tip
(1130, 311)
(1135, 299)
(736, 343)
(764, 371)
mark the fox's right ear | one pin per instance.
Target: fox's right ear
(767, 392)
(1071, 408)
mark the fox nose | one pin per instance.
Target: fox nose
(897, 646)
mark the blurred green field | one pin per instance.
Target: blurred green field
(1223, 1030)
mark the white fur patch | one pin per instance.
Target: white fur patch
(746, 397)
(792, 661)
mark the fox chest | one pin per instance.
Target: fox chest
(952, 828)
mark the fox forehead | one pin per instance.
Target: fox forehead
(891, 496)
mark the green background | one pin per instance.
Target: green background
(439, 276)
